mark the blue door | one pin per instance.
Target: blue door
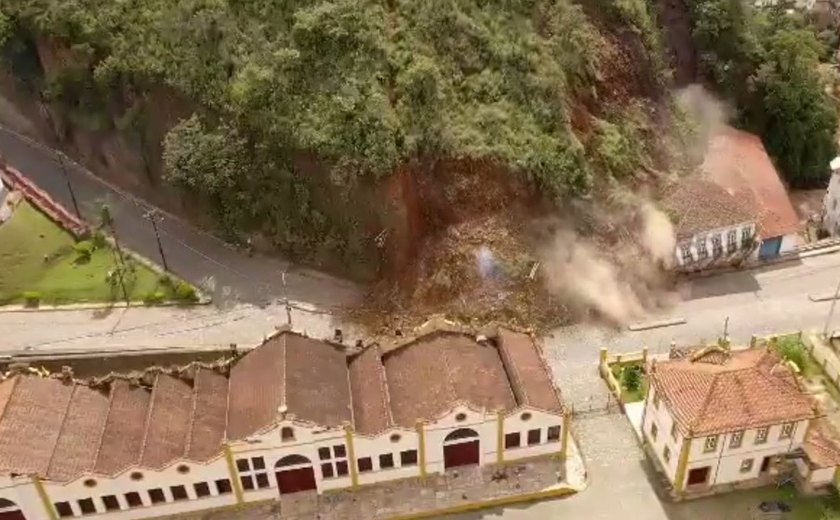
(770, 248)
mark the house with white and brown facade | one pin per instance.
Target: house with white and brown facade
(293, 415)
(717, 419)
(736, 207)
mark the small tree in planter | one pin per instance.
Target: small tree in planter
(631, 378)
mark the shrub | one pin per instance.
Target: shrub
(31, 298)
(84, 250)
(154, 297)
(99, 239)
(185, 292)
(631, 377)
(791, 348)
(165, 280)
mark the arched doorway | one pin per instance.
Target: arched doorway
(294, 473)
(10, 511)
(460, 448)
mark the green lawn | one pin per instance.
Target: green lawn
(629, 396)
(29, 236)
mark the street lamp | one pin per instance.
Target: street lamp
(152, 216)
(60, 156)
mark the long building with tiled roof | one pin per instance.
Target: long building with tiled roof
(293, 414)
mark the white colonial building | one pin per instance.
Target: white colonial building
(831, 201)
(293, 415)
(717, 418)
(737, 207)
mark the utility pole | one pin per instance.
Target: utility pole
(60, 156)
(108, 221)
(831, 310)
(152, 216)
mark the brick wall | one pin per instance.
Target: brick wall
(41, 200)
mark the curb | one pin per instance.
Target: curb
(559, 492)
(825, 297)
(656, 324)
(99, 306)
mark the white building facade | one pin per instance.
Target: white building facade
(287, 453)
(721, 244)
(831, 201)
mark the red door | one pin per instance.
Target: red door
(12, 515)
(294, 480)
(461, 454)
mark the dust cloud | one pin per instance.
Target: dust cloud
(705, 113)
(618, 282)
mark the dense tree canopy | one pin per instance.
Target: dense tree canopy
(768, 62)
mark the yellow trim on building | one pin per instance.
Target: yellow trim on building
(45, 499)
(493, 502)
(351, 456)
(567, 423)
(500, 436)
(679, 478)
(234, 475)
(421, 442)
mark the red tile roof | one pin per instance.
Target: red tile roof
(698, 205)
(822, 445)
(427, 377)
(737, 161)
(747, 389)
(62, 430)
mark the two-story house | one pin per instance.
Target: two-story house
(293, 415)
(719, 417)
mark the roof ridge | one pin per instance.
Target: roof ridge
(15, 379)
(155, 387)
(188, 443)
(113, 386)
(61, 428)
(383, 382)
(350, 393)
(510, 370)
(706, 402)
(284, 382)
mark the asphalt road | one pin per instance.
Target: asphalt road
(192, 254)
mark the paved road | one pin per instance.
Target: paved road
(192, 254)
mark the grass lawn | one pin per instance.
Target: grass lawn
(739, 505)
(791, 347)
(29, 236)
(630, 396)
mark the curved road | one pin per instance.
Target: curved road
(192, 254)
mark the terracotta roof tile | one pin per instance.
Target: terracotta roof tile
(31, 424)
(168, 423)
(257, 383)
(317, 381)
(699, 205)
(530, 378)
(209, 415)
(738, 162)
(752, 389)
(822, 445)
(122, 438)
(369, 389)
(428, 376)
(75, 451)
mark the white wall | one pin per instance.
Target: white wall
(118, 486)
(539, 420)
(831, 206)
(821, 476)
(484, 423)
(22, 492)
(725, 461)
(663, 420)
(706, 238)
(385, 443)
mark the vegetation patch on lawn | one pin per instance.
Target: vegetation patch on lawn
(43, 264)
(632, 379)
(792, 348)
